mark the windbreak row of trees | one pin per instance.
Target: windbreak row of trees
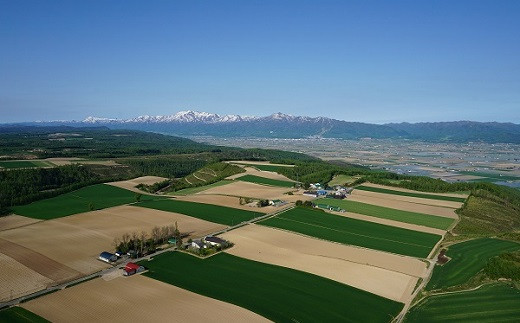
(142, 243)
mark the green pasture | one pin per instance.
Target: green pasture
(277, 293)
(265, 181)
(490, 303)
(427, 220)
(467, 259)
(213, 213)
(345, 230)
(98, 197)
(193, 190)
(411, 194)
(342, 180)
(20, 315)
(13, 164)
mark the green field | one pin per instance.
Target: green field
(19, 315)
(345, 230)
(265, 181)
(213, 213)
(342, 180)
(193, 190)
(277, 293)
(490, 177)
(101, 196)
(24, 164)
(490, 303)
(269, 168)
(467, 259)
(427, 220)
(411, 194)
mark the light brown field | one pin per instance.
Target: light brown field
(247, 162)
(260, 173)
(411, 191)
(74, 160)
(416, 200)
(389, 201)
(14, 221)
(76, 241)
(383, 274)
(223, 200)
(247, 189)
(132, 183)
(17, 280)
(135, 299)
(392, 223)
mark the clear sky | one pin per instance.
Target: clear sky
(369, 61)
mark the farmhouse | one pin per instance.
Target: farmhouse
(132, 268)
(107, 257)
(215, 241)
(197, 244)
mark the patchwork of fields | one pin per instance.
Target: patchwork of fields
(345, 230)
(467, 259)
(277, 293)
(490, 303)
(86, 199)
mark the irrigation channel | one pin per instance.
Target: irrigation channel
(122, 262)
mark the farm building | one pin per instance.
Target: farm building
(197, 244)
(310, 193)
(215, 241)
(107, 257)
(277, 202)
(132, 268)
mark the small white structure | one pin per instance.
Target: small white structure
(197, 244)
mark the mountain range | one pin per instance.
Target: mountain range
(280, 125)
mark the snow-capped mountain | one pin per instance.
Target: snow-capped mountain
(182, 116)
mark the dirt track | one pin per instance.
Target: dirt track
(14, 221)
(135, 299)
(380, 273)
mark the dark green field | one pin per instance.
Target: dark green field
(467, 259)
(490, 303)
(427, 220)
(265, 181)
(24, 164)
(101, 196)
(411, 194)
(213, 213)
(269, 168)
(20, 315)
(277, 293)
(345, 230)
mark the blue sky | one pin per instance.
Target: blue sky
(369, 61)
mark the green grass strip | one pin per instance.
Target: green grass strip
(427, 220)
(411, 194)
(345, 230)
(20, 315)
(467, 259)
(213, 213)
(99, 196)
(490, 303)
(24, 164)
(277, 293)
(193, 190)
(265, 181)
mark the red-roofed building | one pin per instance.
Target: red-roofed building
(132, 268)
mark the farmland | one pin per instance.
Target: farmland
(411, 194)
(246, 189)
(89, 198)
(265, 181)
(355, 232)
(24, 164)
(277, 293)
(427, 220)
(490, 303)
(467, 259)
(20, 315)
(342, 180)
(198, 189)
(213, 213)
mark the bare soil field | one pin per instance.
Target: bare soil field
(132, 183)
(17, 280)
(14, 221)
(247, 189)
(76, 241)
(389, 201)
(416, 200)
(392, 223)
(384, 274)
(412, 191)
(223, 200)
(135, 299)
(37, 262)
(260, 173)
